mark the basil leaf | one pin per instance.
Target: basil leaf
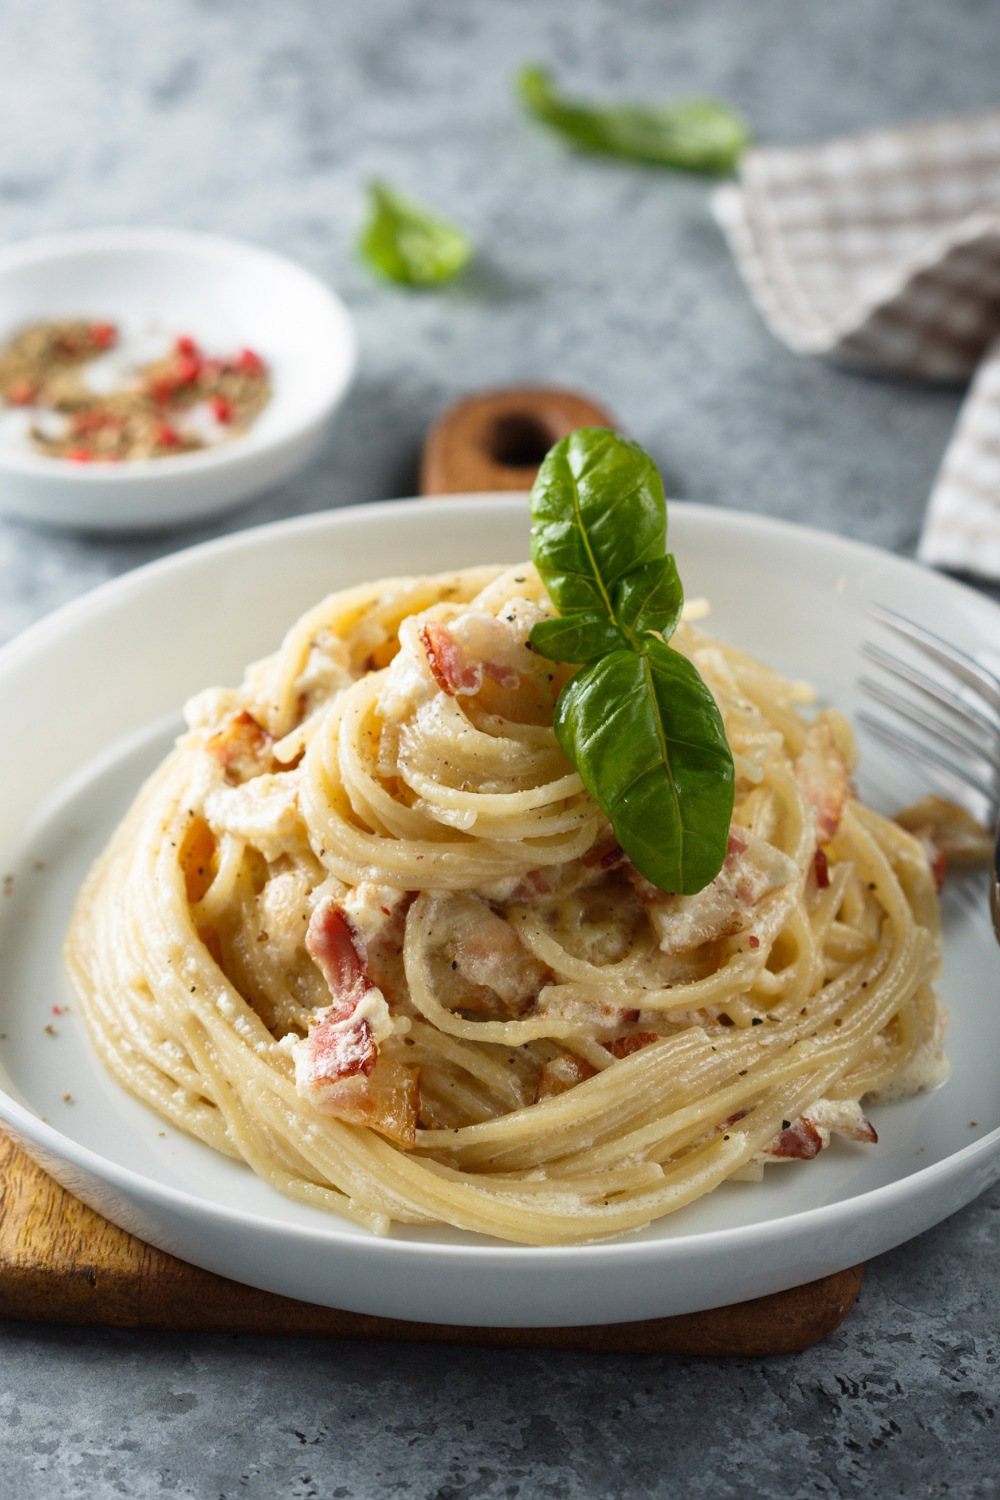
(647, 738)
(576, 638)
(694, 135)
(406, 244)
(649, 598)
(597, 513)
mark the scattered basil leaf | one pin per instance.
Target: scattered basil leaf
(597, 512)
(636, 719)
(694, 135)
(406, 244)
(577, 638)
(645, 734)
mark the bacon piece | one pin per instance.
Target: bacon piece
(387, 1099)
(534, 884)
(334, 1052)
(624, 1046)
(799, 1139)
(821, 870)
(823, 775)
(456, 673)
(340, 1043)
(752, 868)
(948, 833)
(489, 953)
(806, 1137)
(337, 946)
(242, 747)
(338, 1065)
(485, 965)
(505, 677)
(842, 1117)
(560, 1074)
(453, 674)
(607, 854)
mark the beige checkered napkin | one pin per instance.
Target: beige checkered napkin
(884, 249)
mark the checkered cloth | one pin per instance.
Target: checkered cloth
(884, 250)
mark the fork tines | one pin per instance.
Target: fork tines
(957, 712)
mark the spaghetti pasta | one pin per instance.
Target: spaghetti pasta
(366, 930)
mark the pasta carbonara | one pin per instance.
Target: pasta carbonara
(366, 930)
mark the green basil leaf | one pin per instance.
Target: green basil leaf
(649, 598)
(597, 513)
(647, 738)
(694, 135)
(406, 244)
(576, 638)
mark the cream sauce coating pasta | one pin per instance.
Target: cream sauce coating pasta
(366, 930)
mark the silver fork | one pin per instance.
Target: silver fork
(957, 714)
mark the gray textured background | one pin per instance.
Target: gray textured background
(263, 120)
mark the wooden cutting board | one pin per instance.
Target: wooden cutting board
(62, 1263)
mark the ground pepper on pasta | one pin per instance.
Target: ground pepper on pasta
(366, 930)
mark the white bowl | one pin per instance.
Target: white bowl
(225, 294)
(116, 665)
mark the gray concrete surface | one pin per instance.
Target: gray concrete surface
(263, 120)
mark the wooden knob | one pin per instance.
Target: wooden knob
(496, 441)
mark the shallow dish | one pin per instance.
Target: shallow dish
(90, 699)
(227, 295)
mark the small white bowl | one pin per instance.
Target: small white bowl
(225, 294)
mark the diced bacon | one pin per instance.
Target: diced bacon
(488, 967)
(378, 913)
(821, 869)
(624, 1046)
(807, 1136)
(800, 1139)
(948, 834)
(534, 884)
(372, 910)
(492, 955)
(241, 747)
(752, 869)
(505, 677)
(340, 1043)
(337, 946)
(338, 1065)
(560, 1074)
(823, 775)
(842, 1117)
(606, 854)
(453, 672)
(386, 1098)
(332, 1052)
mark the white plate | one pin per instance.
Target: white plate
(89, 701)
(165, 282)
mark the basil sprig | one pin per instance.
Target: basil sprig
(636, 719)
(406, 244)
(693, 135)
